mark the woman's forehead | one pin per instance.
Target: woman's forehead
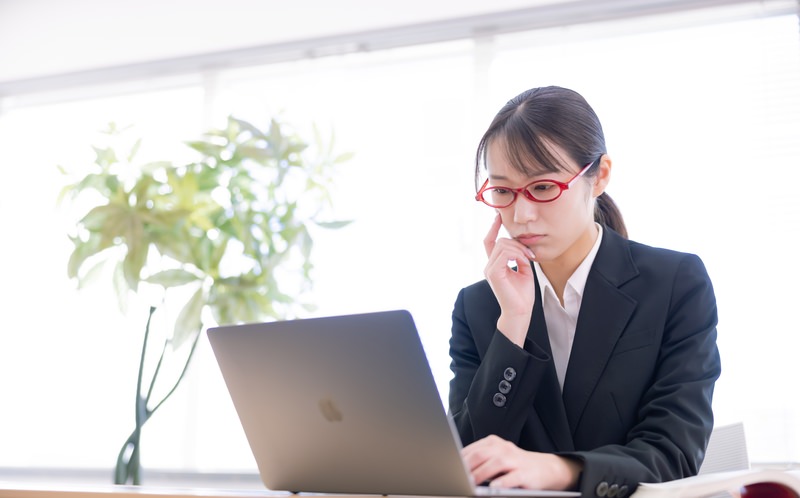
(503, 157)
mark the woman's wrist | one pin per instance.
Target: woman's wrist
(567, 471)
(514, 327)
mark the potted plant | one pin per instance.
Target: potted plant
(228, 234)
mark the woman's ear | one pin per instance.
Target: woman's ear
(603, 176)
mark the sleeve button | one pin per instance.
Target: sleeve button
(623, 491)
(504, 387)
(510, 374)
(499, 400)
(601, 490)
(612, 491)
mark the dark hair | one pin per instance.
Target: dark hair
(533, 121)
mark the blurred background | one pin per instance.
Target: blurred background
(700, 102)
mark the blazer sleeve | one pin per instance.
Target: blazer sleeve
(669, 437)
(496, 381)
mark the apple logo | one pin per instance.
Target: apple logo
(329, 410)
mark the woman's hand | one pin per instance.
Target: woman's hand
(505, 465)
(514, 290)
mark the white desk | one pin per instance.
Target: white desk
(20, 490)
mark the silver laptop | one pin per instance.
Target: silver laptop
(344, 404)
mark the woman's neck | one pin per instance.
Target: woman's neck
(559, 270)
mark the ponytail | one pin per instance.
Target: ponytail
(607, 213)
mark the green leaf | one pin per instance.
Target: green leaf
(333, 224)
(92, 275)
(134, 150)
(137, 253)
(189, 320)
(141, 189)
(208, 178)
(105, 157)
(346, 156)
(202, 221)
(204, 252)
(216, 133)
(84, 250)
(121, 288)
(97, 219)
(67, 191)
(217, 254)
(154, 166)
(318, 140)
(302, 240)
(206, 148)
(258, 154)
(172, 278)
(246, 125)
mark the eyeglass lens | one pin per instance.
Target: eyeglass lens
(541, 191)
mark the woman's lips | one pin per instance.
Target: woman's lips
(529, 239)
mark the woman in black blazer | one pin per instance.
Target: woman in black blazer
(584, 360)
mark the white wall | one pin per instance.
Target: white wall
(43, 37)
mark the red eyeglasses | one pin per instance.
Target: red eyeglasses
(538, 191)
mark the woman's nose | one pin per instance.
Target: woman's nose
(525, 210)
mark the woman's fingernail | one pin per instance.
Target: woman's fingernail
(530, 253)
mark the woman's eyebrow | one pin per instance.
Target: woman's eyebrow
(529, 177)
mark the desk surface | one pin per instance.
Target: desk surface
(29, 490)
(20, 490)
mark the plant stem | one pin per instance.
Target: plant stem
(183, 372)
(128, 461)
(128, 466)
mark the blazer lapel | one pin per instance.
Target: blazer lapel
(605, 311)
(549, 403)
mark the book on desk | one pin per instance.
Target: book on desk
(765, 483)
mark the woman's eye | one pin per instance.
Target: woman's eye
(542, 187)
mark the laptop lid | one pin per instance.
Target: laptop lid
(342, 404)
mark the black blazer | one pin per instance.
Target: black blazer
(636, 402)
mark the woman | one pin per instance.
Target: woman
(584, 360)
